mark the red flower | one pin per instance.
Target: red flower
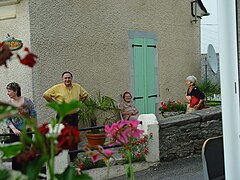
(29, 59)
(151, 134)
(146, 150)
(5, 54)
(138, 155)
(26, 156)
(81, 165)
(143, 140)
(43, 130)
(164, 106)
(179, 102)
(123, 157)
(69, 138)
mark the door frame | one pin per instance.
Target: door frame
(149, 35)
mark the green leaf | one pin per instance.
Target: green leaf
(65, 108)
(4, 174)
(34, 167)
(11, 150)
(7, 110)
(69, 174)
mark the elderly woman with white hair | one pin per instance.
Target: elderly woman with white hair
(193, 97)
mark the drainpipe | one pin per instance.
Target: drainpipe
(229, 87)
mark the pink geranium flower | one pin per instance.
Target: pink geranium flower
(122, 132)
(95, 157)
(108, 152)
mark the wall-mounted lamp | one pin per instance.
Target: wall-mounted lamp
(198, 10)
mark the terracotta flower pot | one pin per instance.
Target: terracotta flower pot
(96, 139)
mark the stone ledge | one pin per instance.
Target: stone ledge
(210, 113)
(197, 116)
(179, 120)
(116, 170)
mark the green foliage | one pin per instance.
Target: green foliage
(172, 106)
(98, 108)
(84, 162)
(4, 174)
(69, 174)
(10, 150)
(34, 167)
(65, 108)
(208, 88)
(7, 110)
(213, 103)
(43, 156)
(138, 151)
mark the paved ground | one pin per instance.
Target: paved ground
(181, 169)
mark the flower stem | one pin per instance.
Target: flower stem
(130, 165)
(108, 168)
(51, 160)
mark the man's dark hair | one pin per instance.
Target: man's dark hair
(15, 87)
(67, 72)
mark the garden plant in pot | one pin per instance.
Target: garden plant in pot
(97, 111)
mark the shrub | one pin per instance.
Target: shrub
(209, 88)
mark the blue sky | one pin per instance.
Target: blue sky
(209, 27)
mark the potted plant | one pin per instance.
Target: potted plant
(172, 108)
(97, 111)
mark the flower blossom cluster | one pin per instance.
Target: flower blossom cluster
(124, 132)
(66, 138)
(172, 106)
(95, 155)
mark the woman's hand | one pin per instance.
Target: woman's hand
(16, 131)
(134, 112)
(130, 113)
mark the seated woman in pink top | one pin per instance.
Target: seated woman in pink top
(128, 107)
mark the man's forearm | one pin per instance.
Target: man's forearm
(48, 99)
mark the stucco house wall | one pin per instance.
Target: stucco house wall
(90, 39)
(17, 27)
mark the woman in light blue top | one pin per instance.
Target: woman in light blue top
(25, 107)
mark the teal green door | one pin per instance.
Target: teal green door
(145, 79)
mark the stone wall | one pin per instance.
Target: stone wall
(184, 135)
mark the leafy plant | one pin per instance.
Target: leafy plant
(125, 133)
(213, 103)
(49, 140)
(139, 149)
(84, 162)
(209, 88)
(98, 110)
(172, 106)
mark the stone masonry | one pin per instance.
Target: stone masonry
(184, 135)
